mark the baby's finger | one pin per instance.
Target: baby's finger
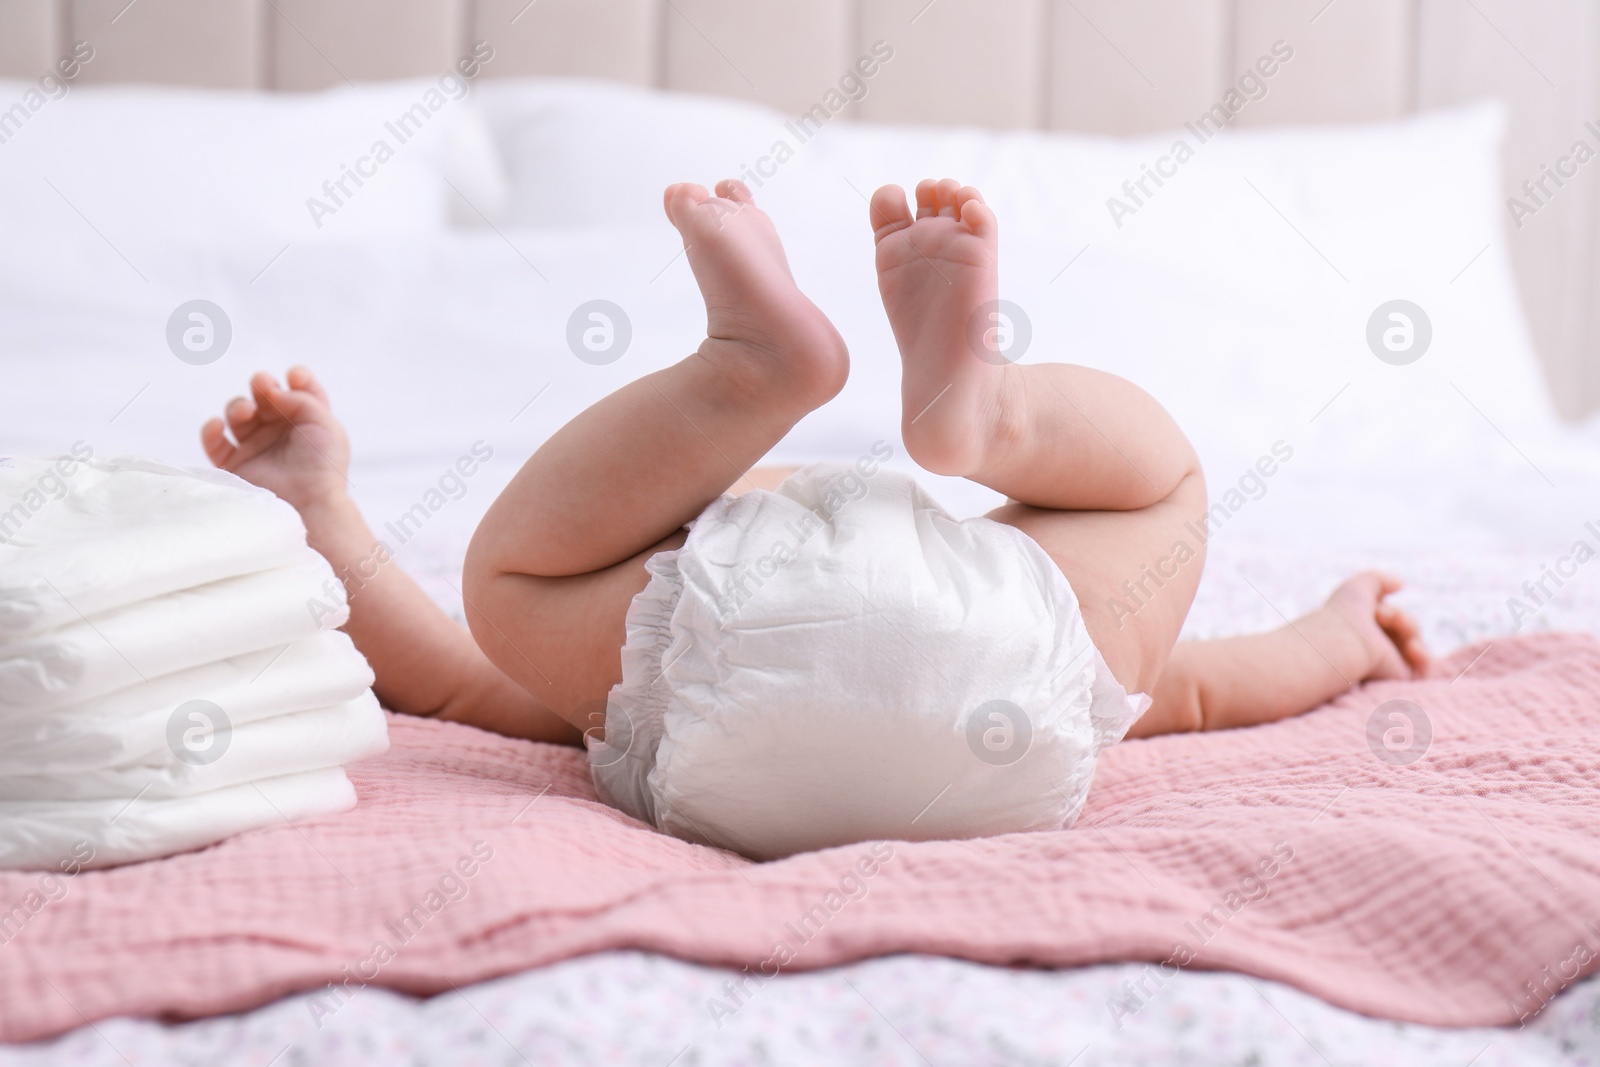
(1387, 583)
(268, 395)
(291, 406)
(241, 415)
(300, 378)
(1417, 654)
(219, 450)
(1406, 634)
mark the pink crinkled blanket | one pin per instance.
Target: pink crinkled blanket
(1462, 888)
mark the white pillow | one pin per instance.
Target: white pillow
(594, 153)
(1292, 237)
(204, 167)
(1295, 237)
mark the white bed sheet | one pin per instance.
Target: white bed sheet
(899, 1011)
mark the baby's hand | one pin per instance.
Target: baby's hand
(284, 440)
(1391, 636)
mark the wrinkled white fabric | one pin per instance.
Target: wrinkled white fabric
(126, 726)
(100, 654)
(840, 660)
(172, 529)
(43, 835)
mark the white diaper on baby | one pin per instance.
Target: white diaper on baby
(841, 660)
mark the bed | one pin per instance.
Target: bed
(1241, 295)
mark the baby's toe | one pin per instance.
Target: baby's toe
(971, 210)
(681, 197)
(927, 198)
(889, 211)
(979, 218)
(948, 191)
(734, 189)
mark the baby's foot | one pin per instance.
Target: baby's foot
(759, 327)
(284, 440)
(1389, 638)
(938, 274)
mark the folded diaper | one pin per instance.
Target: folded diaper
(173, 529)
(93, 656)
(284, 744)
(841, 660)
(42, 835)
(126, 726)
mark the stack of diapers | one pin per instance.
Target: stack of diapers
(170, 669)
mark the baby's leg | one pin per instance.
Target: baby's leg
(1098, 473)
(560, 555)
(1102, 478)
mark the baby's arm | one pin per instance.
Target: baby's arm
(1259, 678)
(288, 441)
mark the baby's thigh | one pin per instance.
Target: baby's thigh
(1134, 572)
(761, 478)
(562, 638)
(565, 637)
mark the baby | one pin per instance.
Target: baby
(887, 652)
